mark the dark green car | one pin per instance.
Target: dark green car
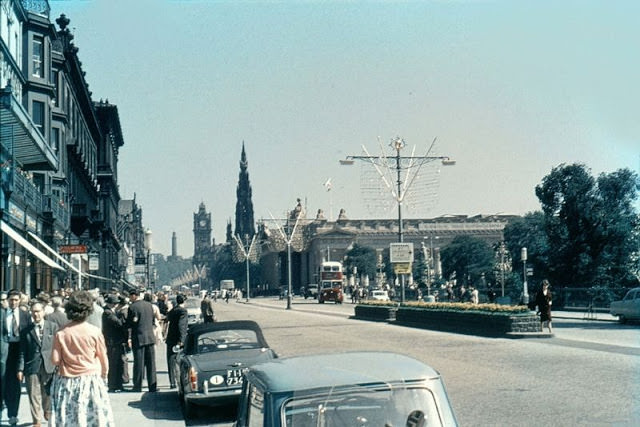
(345, 389)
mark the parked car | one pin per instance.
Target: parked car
(194, 315)
(344, 389)
(214, 359)
(379, 295)
(628, 308)
(311, 291)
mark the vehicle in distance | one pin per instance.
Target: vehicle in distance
(628, 308)
(311, 291)
(377, 389)
(214, 359)
(331, 282)
(194, 314)
(379, 295)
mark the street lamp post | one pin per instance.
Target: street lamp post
(289, 241)
(399, 163)
(147, 245)
(525, 292)
(247, 251)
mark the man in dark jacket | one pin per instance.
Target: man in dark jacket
(115, 336)
(57, 316)
(176, 336)
(143, 341)
(34, 363)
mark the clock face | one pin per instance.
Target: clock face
(203, 223)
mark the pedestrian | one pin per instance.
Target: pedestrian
(13, 321)
(473, 295)
(177, 320)
(207, 308)
(34, 364)
(140, 319)
(122, 310)
(79, 395)
(57, 316)
(544, 301)
(116, 336)
(95, 318)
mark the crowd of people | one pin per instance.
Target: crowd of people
(71, 348)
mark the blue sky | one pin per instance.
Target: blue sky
(510, 89)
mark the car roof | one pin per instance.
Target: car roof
(339, 370)
(197, 329)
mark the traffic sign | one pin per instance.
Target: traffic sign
(401, 252)
(72, 249)
(402, 268)
(94, 261)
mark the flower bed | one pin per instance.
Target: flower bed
(492, 320)
(381, 311)
(478, 319)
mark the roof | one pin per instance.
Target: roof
(199, 328)
(338, 370)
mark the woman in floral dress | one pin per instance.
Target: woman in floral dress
(79, 395)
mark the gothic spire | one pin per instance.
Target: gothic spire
(245, 227)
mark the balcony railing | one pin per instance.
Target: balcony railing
(24, 188)
(59, 211)
(40, 7)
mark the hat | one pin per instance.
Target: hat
(112, 299)
(134, 292)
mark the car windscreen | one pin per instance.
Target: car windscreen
(226, 339)
(369, 406)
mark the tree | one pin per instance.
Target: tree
(591, 225)
(362, 257)
(469, 257)
(528, 232)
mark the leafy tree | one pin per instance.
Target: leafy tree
(591, 225)
(469, 257)
(528, 232)
(362, 257)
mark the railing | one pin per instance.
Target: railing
(40, 7)
(25, 189)
(58, 210)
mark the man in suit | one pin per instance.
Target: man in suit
(177, 319)
(58, 315)
(143, 341)
(115, 336)
(13, 321)
(34, 363)
(207, 309)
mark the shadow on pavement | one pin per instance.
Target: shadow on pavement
(158, 406)
(596, 325)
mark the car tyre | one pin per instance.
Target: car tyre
(188, 409)
(622, 319)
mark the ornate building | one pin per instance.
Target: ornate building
(245, 226)
(58, 157)
(202, 241)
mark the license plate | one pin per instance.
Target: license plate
(234, 376)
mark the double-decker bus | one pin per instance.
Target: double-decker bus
(331, 282)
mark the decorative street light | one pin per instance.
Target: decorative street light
(288, 240)
(147, 245)
(411, 164)
(525, 292)
(248, 252)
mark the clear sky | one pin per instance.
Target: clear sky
(510, 89)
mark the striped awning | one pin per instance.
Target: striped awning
(20, 137)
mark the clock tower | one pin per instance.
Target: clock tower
(202, 237)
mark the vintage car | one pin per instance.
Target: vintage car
(194, 314)
(379, 295)
(628, 308)
(214, 359)
(311, 291)
(344, 389)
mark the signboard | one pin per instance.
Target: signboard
(402, 268)
(73, 249)
(529, 271)
(94, 261)
(401, 253)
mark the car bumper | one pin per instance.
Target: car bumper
(214, 397)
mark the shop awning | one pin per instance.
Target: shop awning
(9, 231)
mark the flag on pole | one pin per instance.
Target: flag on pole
(327, 184)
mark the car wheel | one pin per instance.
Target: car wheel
(622, 319)
(188, 409)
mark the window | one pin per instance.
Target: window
(56, 87)
(55, 139)
(38, 116)
(38, 56)
(256, 408)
